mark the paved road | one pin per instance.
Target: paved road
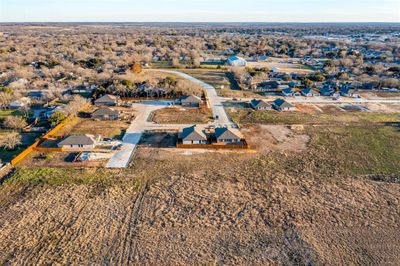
(215, 101)
(326, 100)
(133, 134)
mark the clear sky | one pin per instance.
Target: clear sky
(200, 10)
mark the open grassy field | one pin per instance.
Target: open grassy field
(179, 115)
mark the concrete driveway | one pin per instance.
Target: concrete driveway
(134, 133)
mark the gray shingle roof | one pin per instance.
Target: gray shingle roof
(281, 103)
(107, 99)
(105, 111)
(227, 133)
(191, 99)
(260, 103)
(78, 140)
(193, 133)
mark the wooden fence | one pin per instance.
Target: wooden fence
(49, 135)
(242, 146)
(43, 149)
(24, 153)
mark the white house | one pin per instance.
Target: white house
(87, 142)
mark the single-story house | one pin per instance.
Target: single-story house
(260, 105)
(262, 58)
(107, 100)
(105, 113)
(228, 135)
(236, 61)
(282, 105)
(193, 135)
(326, 91)
(308, 92)
(268, 85)
(290, 92)
(346, 92)
(37, 95)
(190, 101)
(24, 101)
(79, 142)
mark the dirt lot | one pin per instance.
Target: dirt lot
(58, 159)
(182, 115)
(267, 138)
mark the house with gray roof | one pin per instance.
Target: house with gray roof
(228, 135)
(190, 101)
(308, 92)
(79, 142)
(193, 135)
(105, 113)
(260, 104)
(282, 105)
(106, 100)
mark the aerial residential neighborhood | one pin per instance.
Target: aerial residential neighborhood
(199, 143)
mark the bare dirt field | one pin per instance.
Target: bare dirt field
(181, 115)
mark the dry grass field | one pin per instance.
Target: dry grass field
(283, 65)
(239, 209)
(309, 195)
(179, 115)
(105, 128)
(214, 77)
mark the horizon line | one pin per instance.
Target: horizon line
(216, 22)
